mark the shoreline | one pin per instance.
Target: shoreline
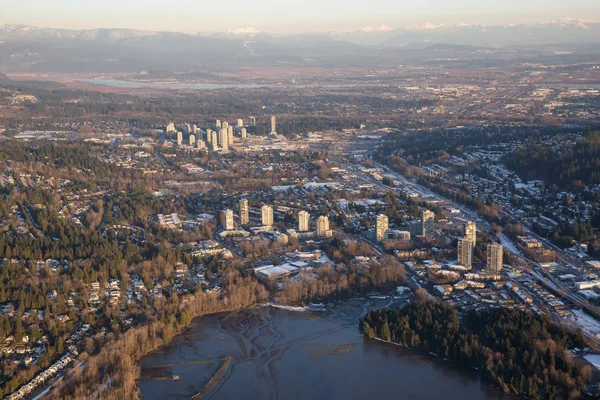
(435, 356)
(354, 329)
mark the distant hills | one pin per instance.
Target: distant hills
(31, 49)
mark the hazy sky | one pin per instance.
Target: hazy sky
(284, 15)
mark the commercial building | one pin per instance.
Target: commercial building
(270, 272)
(586, 285)
(471, 232)
(464, 252)
(427, 223)
(244, 212)
(381, 227)
(267, 215)
(303, 221)
(494, 258)
(397, 234)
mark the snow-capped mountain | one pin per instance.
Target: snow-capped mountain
(62, 50)
(566, 30)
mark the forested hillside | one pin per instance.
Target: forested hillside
(573, 166)
(519, 352)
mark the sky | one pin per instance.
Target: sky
(285, 16)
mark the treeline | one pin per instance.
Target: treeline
(113, 372)
(581, 231)
(569, 166)
(519, 352)
(421, 147)
(341, 280)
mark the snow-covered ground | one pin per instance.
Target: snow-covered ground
(509, 245)
(594, 359)
(289, 308)
(313, 307)
(588, 324)
(403, 290)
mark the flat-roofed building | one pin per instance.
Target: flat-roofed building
(495, 254)
(464, 252)
(266, 213)
(228, 220)
(381, 227)
(244, 212)
(303, 221)
(471, 232)
(427, 223)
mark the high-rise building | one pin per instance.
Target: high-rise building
(464, 251)
(323, 226)
(230, 135)
(208, 136)
(228, 220)
(471, 232)
(381, 227)
(427, 223)
(251, 121)
(273, 125)
(240, 122)
(214, 141)
(244, 133)
(186, 128)
(303, 221)
(192, 140)
(218, 123)
(225, 125)
(179, 138)
(200, 144)
(194, 129)
(223, 139)
(170, 127)
(495, 254)
(244, 212)
(266, 213)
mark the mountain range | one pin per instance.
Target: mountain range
(31, 49)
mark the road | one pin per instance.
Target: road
(541, 274)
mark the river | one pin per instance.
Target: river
(120, 83)
(283, 354)
(128, 84)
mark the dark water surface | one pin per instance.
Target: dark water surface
(281, 354)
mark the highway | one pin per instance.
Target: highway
(541, 274)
